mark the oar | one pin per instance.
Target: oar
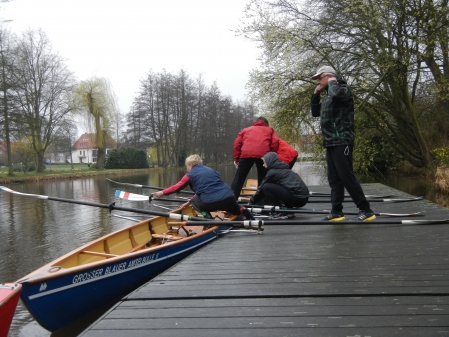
(321, 194)
(140, 197)
(242, 201)
(111, 206)
(269, 209)
(259, 223)
(374, 196)
(312, 194)
(146, 186)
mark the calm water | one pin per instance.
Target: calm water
(34, 232)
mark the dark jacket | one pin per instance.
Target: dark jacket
(255, 141)
(279, 173)
(337, 113)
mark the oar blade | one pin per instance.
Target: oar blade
(131, 196)
(37, 196)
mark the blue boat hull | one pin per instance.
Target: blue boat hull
(58, 301)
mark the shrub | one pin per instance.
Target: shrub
(31, 167)
(441, 155)
(442, 178)
(126, 158)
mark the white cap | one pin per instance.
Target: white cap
(322, 70)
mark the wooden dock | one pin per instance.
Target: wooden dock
(367, 279)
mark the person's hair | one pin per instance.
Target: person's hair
(194, 159)
(263, 119)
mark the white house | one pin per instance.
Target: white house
(85, 148)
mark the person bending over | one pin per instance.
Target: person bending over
(281, 186)
(211, 193)
(249, 146)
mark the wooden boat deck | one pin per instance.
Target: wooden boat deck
(324, 280)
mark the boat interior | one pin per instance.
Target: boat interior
(250, 188)
(143, 235)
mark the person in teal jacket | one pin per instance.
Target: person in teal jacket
(332, 101)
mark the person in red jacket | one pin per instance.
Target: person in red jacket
(251, 144)
(287, 153)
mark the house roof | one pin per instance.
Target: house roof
(89, 141)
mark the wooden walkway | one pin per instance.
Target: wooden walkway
(365, 279)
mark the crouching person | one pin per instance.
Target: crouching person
(211, 193)
(281, 186)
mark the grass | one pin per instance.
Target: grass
(63, 171)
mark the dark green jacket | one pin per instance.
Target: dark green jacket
(337, 113)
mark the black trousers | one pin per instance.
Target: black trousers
(229, 205)
(245, 165)
(340, 176)
(276, 195)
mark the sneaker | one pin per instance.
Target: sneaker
(278, 216)
(207, 215)
(248, 214)
(366, 215)
(334, 217)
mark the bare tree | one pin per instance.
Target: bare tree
(64, 138)
(7, 80)
(42, 94)
(178, 116)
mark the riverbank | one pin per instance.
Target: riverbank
(58, 172)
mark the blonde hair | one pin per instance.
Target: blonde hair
(193, 160)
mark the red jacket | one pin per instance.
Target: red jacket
(255, 141)
(286, 152)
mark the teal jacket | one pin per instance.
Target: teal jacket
(336, 109)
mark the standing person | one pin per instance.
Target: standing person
(336, 109)
(287, 153)
(211, 193)
(249, 147)
(281, 185)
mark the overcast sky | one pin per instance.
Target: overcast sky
(123, 40)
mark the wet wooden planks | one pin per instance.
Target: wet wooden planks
(327, 280)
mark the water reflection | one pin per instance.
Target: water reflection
(34, 232)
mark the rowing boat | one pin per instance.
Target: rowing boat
(104, 270)
(9, 296)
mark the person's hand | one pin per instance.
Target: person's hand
(236, 164)
(158, 194)
(319, 89)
